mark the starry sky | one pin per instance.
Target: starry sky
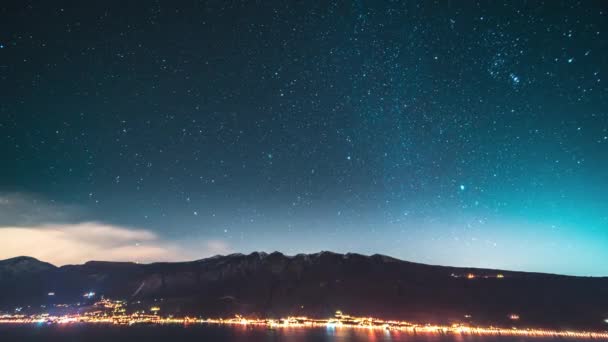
(444, 132)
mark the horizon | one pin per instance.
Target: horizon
(287, 255)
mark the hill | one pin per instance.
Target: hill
(317, 285)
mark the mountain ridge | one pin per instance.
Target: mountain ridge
(265, 254)
(273, 284)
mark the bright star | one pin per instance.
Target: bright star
(514, 78)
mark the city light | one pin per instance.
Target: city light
(117, 312)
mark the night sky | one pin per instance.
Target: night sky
(448, 132)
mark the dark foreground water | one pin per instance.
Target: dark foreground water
(174, 333)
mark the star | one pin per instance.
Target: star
(333, 125)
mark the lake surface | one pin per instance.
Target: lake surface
(176, 333)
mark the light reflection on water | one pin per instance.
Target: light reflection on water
(175, 333)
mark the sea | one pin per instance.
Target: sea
(199, 333)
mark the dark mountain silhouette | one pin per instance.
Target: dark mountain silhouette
(22, 265)
(318, 284)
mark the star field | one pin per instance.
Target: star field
(471, 133)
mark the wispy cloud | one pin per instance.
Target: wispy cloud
(53, 233)
(23, 209)
(78, 243)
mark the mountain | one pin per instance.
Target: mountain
(318, 284)
(22, 265)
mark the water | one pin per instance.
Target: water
(175, 333)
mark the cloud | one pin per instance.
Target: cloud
(59, 233)
(23, 209)
(62, 244)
